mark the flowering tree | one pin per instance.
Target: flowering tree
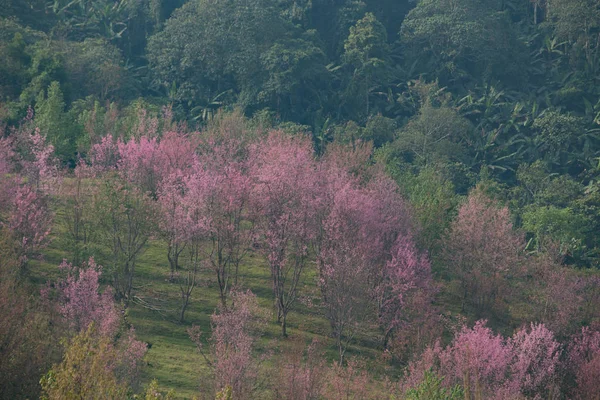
(81, 303)
(30, 222)
(28, 152)
(301, 373)
(123, 221)
(584, 361)
(483, 251)
(172, 218)
(535, 362)
(141, 163)
(359, 229)
(284, 195)
(406, 290)
(87, 312)
(488, 366)
(231, 345)
(345, 256)
(347, 382)
(104, 155)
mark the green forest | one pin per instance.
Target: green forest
(300, 199)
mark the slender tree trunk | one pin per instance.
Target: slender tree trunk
(184, 304)
(284, 325)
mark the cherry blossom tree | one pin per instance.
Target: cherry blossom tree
(359, 226)
(124, 218)
(231, 346)
(221, 188)
(482, 251)
(284, 195)
(351, 381)
(345, 266)
(104, 155)
(141, 163)
(406, 290)
(535, 362)
(89, 312)
(488, 366)
(172, 218)
(301, 373)
(30, 222)
(81, 303)
(584, 361)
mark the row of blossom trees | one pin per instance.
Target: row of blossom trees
(228, 191)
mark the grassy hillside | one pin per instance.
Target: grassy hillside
(172, 357)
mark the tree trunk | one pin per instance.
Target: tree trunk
(284, 325)
(183, 308)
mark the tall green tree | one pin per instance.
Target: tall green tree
(55, 123)
(462, 41)
(211, 47)
(367, 54)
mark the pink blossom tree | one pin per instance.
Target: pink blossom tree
(172, 218)
(301, 374)
(123, 220)
(86, 309)
(32, 155)
(535, 363)
(487, 366)
(220, 188)
(141, 163)
(351, 381)
(478, 359)
(81, 303)
(345, 265)
(584, 361)
(232, 342)
(104, 155)
(284, 196)
(359, 224)
(405, 292)
(30, 222)
(482, 251)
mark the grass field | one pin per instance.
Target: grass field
(172, 357)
